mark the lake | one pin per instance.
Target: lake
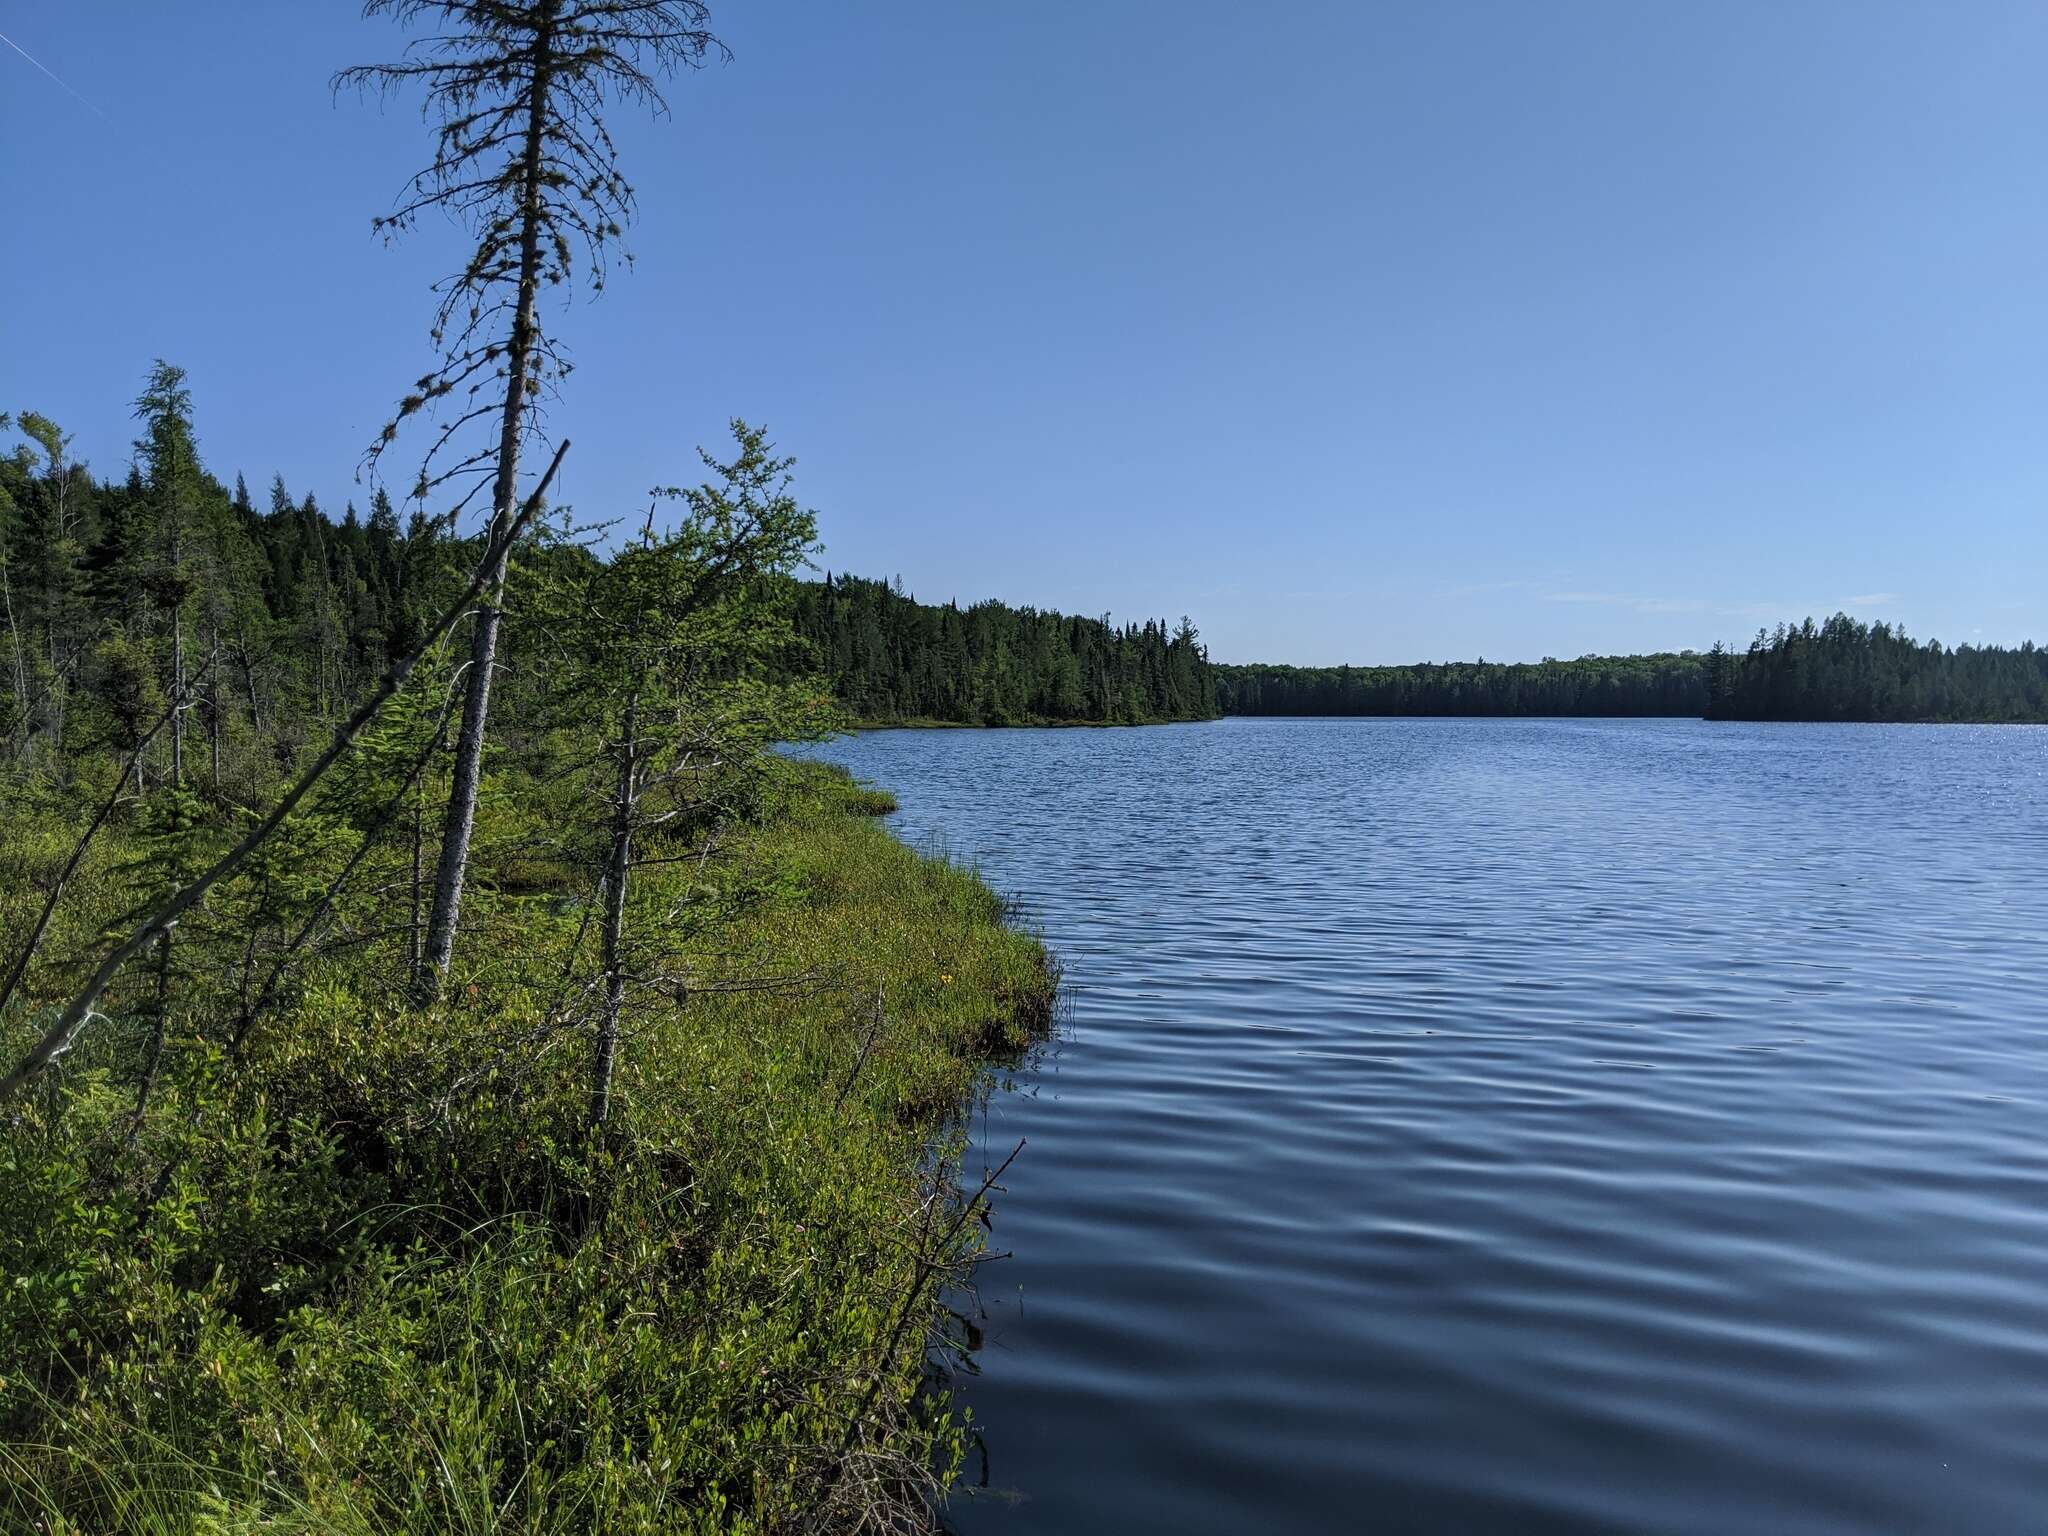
(1514, 1126)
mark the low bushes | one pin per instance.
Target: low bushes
(377, 1274)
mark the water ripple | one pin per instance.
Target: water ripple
(1519, 1126)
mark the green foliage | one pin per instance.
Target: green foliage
(112, 588)
(1668, 684)
(1845, 669)
(890, 658)
(692, 622)
(298, 613)
(872, 802)
(282, 1250)
(1840, 670)
(376, 1277)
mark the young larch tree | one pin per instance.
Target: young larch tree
(518, 91)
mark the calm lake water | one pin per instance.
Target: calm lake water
(1515, 1126)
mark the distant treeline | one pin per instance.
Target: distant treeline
(1842, 669)
(1668, 684)
(889, 657)
(296, 611)
(1848, 670)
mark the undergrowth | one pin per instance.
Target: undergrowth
(376, 1275)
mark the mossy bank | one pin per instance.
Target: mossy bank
(378, 1275)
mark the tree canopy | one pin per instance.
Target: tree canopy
(889, 657)
(1846, 669)
(1666, 684)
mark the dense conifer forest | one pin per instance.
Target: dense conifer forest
(889, 657)
(295, 609)
(288, 611)
(1671, 684)
(1842, 669)
(1845, 669)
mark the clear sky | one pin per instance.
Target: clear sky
(1358, 331)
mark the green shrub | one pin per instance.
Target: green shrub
(378, 1276)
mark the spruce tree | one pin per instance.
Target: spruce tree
(170, 463)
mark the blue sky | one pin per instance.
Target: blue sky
(1360, 332)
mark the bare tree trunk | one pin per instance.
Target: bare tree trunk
(419, 838)
(175, 611)
(177, 693)
(618, 866)
(160, 1027)
(453, 867)
(59, 693)
(248, 674)
(213, 700)
(14, 652)
(53, 616)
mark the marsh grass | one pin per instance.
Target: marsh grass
(378, 1277)
(866, 800)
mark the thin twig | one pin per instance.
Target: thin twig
(874, 1029)
(928, 1263)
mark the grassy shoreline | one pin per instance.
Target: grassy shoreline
(372, 1280)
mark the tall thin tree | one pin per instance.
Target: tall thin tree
(166, 453)
(518, 91)
(18, 715)
(53, 534)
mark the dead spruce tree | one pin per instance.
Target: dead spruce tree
(518, 91)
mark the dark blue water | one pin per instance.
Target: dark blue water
(1516, 1126)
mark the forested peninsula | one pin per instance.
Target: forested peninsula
(1842, 669)
(300, 606)
(893, 660)
(890, 660)
(1848, 670)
